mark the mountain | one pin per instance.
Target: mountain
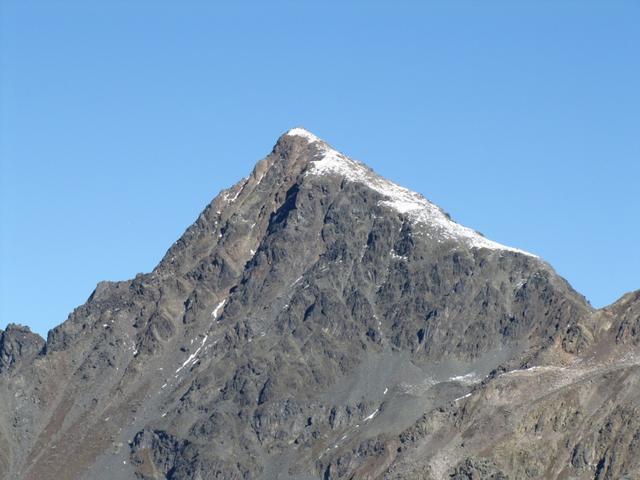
(320, 322)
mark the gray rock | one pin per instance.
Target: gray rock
(17, 345)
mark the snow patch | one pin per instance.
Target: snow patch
(301, 132)
(468, 378)
(194, 355)
(214, 314)
(395, 256)
(537, 368)
(370, 417)
(463, 397)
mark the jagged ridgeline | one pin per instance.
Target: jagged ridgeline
(320, 322)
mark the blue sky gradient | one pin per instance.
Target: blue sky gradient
(120, 121)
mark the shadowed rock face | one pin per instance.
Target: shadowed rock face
(320, 322)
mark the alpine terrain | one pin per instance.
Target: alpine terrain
(318, 322)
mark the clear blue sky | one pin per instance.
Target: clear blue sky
(120, 122)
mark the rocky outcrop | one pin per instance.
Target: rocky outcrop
(626, 311)
(18, 345)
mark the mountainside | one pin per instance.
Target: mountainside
(320, 322)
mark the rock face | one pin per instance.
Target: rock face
(320, 322)
(18, 344)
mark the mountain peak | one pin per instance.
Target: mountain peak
(328, 161)
(318, 321)
(304, 133)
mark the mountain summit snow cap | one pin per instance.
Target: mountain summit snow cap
(304, 133)
(328, 161)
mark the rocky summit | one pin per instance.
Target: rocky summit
(318, 322)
